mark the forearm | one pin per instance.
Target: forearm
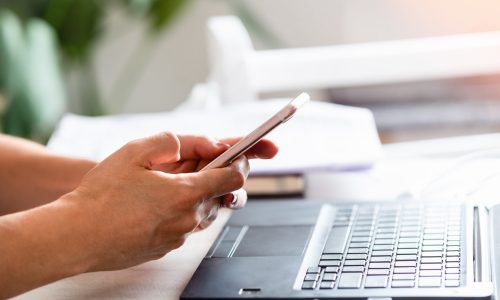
(42, 245)
(31, 176)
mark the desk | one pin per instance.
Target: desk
(406, 165)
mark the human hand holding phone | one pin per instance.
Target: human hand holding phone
(243, 145)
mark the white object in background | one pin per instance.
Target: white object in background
(239, 72)
(322, 136)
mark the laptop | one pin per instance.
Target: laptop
(296, 249)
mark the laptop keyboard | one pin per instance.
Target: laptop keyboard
(389, 246)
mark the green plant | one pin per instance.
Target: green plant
(67, 32)
(71, 28)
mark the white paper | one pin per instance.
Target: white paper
(322, 136)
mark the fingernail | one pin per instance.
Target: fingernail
(229, 200)
(222, 145)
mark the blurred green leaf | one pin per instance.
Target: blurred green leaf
(162, 12)
(78, 24)
(32, 82)
(138, 7)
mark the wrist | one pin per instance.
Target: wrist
(78, 236)
(71, 173)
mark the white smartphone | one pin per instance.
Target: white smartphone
(247, 142)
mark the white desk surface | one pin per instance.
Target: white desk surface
(406, 166)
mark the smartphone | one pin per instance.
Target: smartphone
(285, 114)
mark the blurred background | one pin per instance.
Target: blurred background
(96, 57)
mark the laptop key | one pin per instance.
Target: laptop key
(354, 262)
(311, 277)
(434, 230)
(452, 276)
(337, 240)
(409, 240)
(381, 253)
(403, 276)
(363, 228)
(362, 239)
(385, 236)
(410, 229)
(429, 282)
(432, 248)
(386, 230)
(430, 267)
(329, 277)
(326, 285)
(362, 234)
(353, 269)
(403, 283)
(359, 245)
(350, 280)
(430, 273)
(406, 263)
(378, 272)
(331, 257)
(410, 234)
(406, 257)
(332, 270)
(356, 256)
(384, 241)
(432, 254)
(407, 251)
(379, 266)
(452, 271)
(309, 285)
(433, 236)
(358, 251)
(329, 263)
(430, 260)
(385, 259)
(405, 270)
(408, 246)
(376, 281)
(452, 283)
(313, 270)
(433, 242)
(383, 247)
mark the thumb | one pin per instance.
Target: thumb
(157, 149)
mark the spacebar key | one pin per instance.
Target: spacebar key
(337, 240)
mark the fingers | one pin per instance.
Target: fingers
(235, 200)
(217, 182)
(211, 211)
(264, 149)
(154, 150)
(200, 147)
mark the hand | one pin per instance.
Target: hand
(130, 212)
(198, 151)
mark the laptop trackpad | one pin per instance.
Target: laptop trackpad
(274, 241)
